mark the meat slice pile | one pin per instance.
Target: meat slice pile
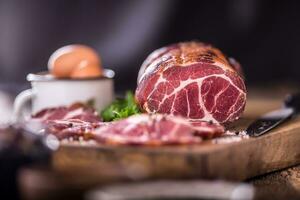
(156, 129)
(76, 121)
(194, 80)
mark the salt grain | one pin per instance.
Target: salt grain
(225, 140)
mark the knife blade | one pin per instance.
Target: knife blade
(272, 119)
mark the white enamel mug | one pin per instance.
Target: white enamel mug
(47, 91)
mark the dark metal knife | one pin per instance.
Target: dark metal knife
(272, 119)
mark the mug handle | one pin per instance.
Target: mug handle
(19, 104)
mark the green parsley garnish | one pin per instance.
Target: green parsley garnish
(121, 108)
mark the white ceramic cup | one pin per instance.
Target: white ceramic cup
(47, 92)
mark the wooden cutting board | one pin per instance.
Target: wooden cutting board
(232, 159)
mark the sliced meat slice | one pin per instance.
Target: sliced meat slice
(75, 111)
(207, 130)
(156, 129)
(72, 128)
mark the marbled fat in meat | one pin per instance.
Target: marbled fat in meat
(194, 80)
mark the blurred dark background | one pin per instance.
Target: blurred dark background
(262, 35)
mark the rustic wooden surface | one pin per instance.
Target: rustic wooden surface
(282, 184)
(231, 161)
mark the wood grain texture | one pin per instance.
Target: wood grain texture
(232, 161)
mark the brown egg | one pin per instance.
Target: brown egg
(86, 70)
(64, 60)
